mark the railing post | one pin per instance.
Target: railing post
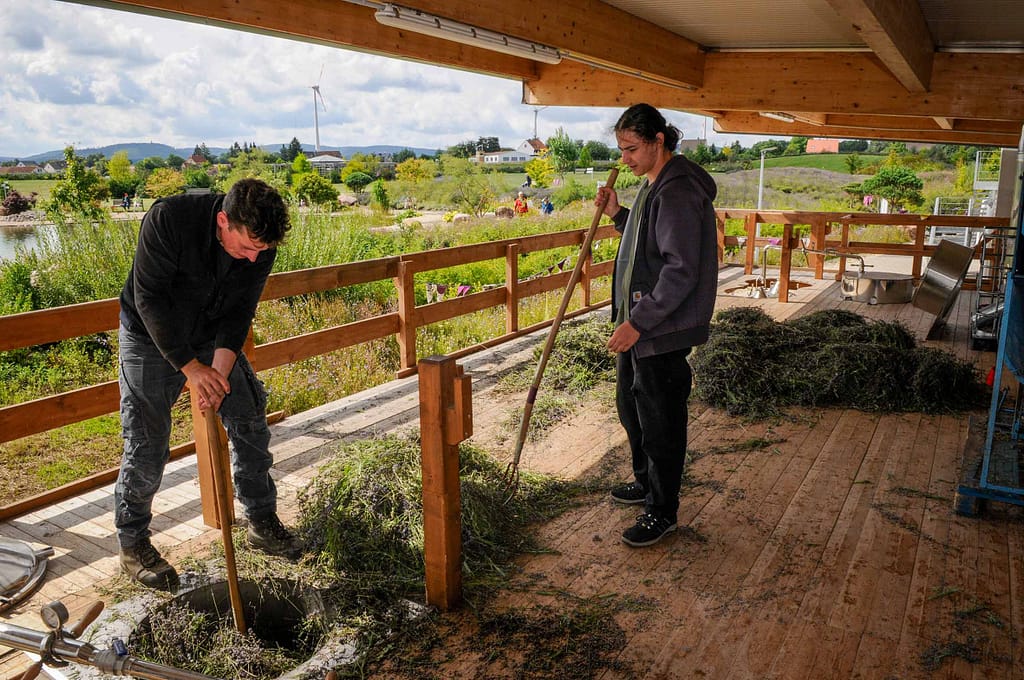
(844, 244)
(406, 312)
(751, 227)
(919, 247)
(512, 288)
(785, 263)
(720, 225)
(586, 277)
(446, 418)
(818, 229)
(210, 442)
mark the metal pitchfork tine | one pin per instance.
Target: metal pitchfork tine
(511, 475)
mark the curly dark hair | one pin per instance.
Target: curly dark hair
(646, 121)
(258, 207)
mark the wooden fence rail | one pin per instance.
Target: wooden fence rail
(51, 325)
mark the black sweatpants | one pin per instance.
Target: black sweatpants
(651, 395)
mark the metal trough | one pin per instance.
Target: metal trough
(878, 288)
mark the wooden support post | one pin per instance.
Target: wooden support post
(406, 311)
(818, 232)
(512, 288)
(446, 418)
(785, 262)
(844, 245)
(211, 441)
(586, 276)
(751, 227)
(919, 247)
(720, 226)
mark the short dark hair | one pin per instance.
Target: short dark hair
(646, 121)
(258, 207)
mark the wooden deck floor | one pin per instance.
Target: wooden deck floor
(834, 553)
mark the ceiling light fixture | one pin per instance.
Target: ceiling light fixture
(414, 20)
(778, 115)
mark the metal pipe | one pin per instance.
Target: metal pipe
(57, 650)
(832, 252)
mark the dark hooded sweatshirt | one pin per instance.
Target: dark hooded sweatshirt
(184, 290)
(675, 270)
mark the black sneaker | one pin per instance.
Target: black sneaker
(648, 530)
(143, 564)
(270, 536)
(630, 494)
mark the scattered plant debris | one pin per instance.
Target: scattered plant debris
(577, 639)
(363, 516)
(194, 641)
(754, 366)
(579, 361)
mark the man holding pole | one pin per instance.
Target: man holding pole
(200, 267)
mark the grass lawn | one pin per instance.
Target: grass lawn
(835, 162)
(25, 187)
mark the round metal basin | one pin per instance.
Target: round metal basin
(878, 288)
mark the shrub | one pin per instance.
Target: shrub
(16, 203)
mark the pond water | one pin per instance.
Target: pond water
(22, 236)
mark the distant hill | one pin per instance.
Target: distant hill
(138, 150)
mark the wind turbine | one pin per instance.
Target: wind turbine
(316, 115)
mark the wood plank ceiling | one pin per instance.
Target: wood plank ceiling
(917, 70)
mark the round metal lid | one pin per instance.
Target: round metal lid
(21, 569)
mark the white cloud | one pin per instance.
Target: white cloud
(100, 76)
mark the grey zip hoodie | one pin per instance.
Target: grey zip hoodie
(675, 271)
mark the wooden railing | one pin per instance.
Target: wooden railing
(51, 325)
(819, 226)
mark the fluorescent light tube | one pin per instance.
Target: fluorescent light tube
(778, 115)
(400, 17)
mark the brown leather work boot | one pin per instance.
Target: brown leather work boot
(143, 564)
(269, 535)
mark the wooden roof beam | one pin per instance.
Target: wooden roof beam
(328, 22)
(907, 128)
(898, 34)
(963, 86)
(585, 29)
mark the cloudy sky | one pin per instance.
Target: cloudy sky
(88, 77)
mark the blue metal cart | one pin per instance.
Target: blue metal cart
(993, 461)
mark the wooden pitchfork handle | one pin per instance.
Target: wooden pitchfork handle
(224, 503)
(512, 471)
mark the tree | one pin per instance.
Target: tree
(564, 151)
(15, 203)
(416, 170)
(854, 163)
(150, 163)
(403, 155)
(315, 189)
(301, 164)
(175, 161)
(599, 151)
(294, 148)
(196, 177)
(541, 171)
(471, 190)
(795, 147)
(354, 165)
(367, 161)
(81, 192)
(357, 181)
(379, 198)
(897, 184)
(123, 179)
(164, 182)
(852, 145)
(201, 150)
(586, 160)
